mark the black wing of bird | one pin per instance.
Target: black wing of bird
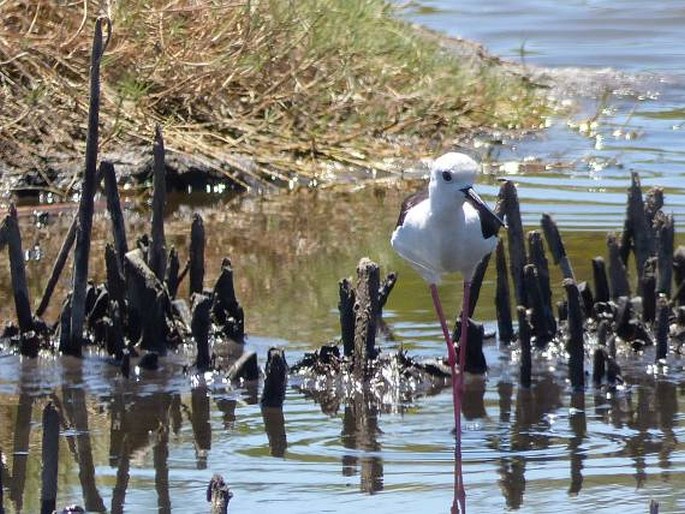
(410, 202)
(490, 223)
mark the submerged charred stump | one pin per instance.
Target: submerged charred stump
(86, 205)
(360, 308)
(349, 303)
(599, 276)
(116, 285)
(125, 366)
(475, 359)
(366, 307)
(148, 302)
(115, 213)
(326, 361)
(219, 495)
(386, 288)
(505, 327)
(679, 275)
(575, 338)
(662, 315)
(275, 378)
(143, 244)
(10, 236)
(599, 366)
(226, 311)
(604, 366)
(587, 301)
(623, 327)
(648, 288)
(508, 207)
(200, 326)
(654, 201)
(57, 267)
(197, 254)
(537, 257)
(92, 293)
(637, 234)
(64, 324)
(540, 318)
(603, 328)
(346, 310)
(157, 256)
(628, 327)
(96, 320)
(172, 278)
(362, 364)
(115, 335)
(665, 235)
(556, 246)
(244, 368)
(72, 509)
(618, 276)
(476, 283)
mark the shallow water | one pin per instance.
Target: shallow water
(150, 444)
(626, 59)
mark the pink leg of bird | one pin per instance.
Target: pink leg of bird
(457, 388)
(451, 358)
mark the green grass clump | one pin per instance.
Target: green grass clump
(296, 85)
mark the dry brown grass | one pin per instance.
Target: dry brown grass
(299, 86)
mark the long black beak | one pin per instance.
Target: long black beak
(490, 223)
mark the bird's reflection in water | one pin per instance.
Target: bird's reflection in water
(472, 408)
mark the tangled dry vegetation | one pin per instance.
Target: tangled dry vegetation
(300, 87)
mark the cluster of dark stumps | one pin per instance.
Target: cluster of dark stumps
(606, 308)
(135, 316)
(135, 313)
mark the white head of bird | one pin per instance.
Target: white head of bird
(450, 175)
(446, 228)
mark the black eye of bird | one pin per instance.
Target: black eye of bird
(447, 176)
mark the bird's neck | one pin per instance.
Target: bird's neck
(445, 206)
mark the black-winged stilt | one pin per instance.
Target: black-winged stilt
(443, 229)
